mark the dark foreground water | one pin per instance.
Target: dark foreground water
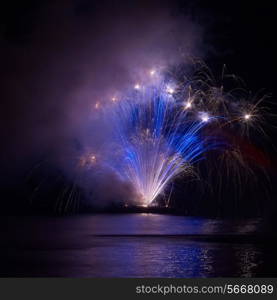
(134, 245)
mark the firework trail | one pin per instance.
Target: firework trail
(155, 140)
(241, 123)
(163, 127)
(167, 125)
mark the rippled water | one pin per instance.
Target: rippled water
(134, 245)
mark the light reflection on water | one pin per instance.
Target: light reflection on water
(135, 245)
(166, 257)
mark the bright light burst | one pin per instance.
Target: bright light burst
(152, 72)
(170, 89)
(156, 141)
(204, 117)
(162, 129)
(137, 86)
(187, 105)
(247, 116)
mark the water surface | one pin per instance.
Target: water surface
(134, 245)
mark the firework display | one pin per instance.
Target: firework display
(166, 123)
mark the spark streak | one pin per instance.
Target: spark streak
(157, 142)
